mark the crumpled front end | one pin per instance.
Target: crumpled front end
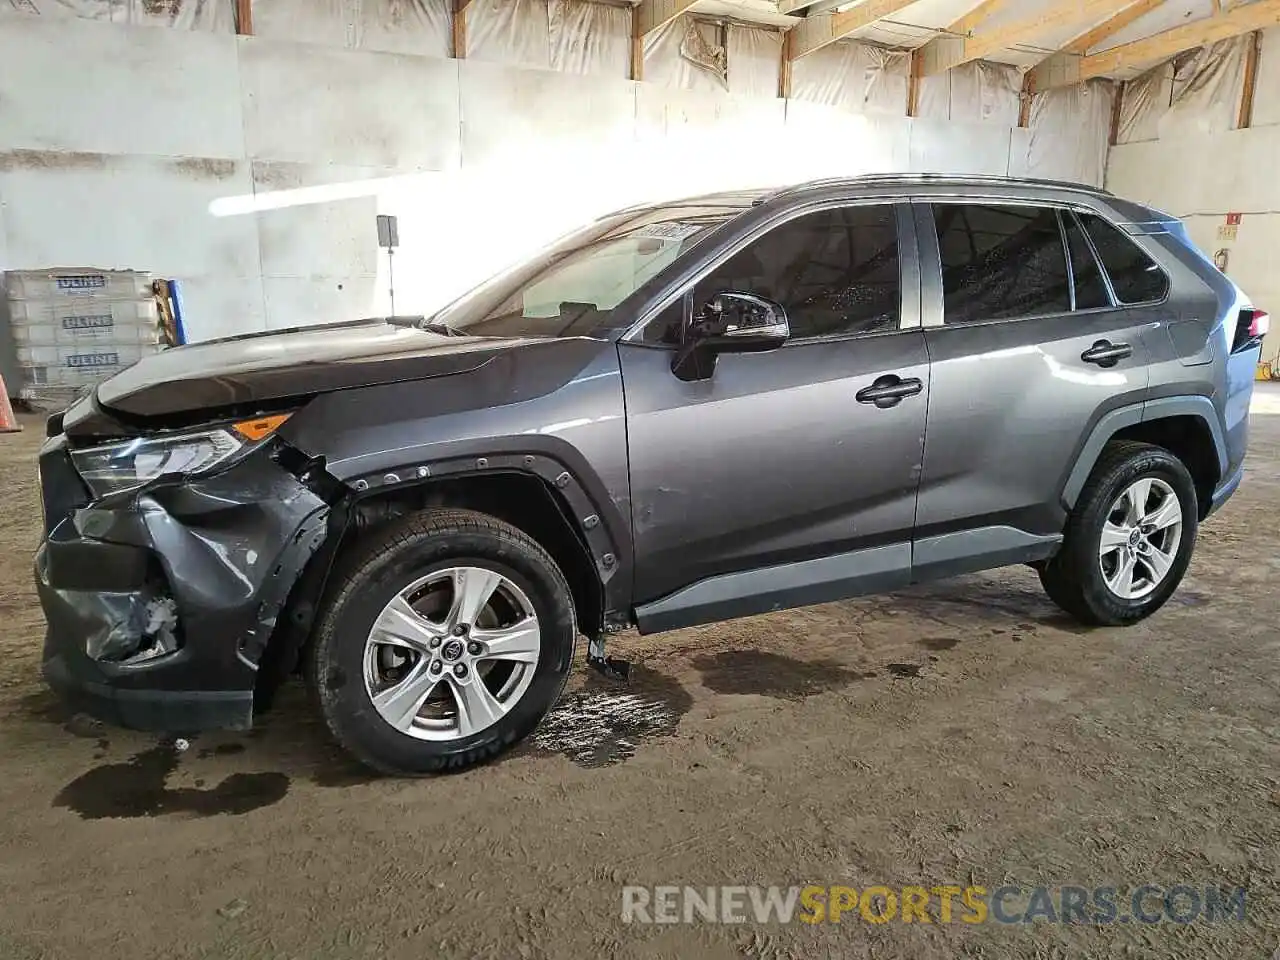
(161, 600)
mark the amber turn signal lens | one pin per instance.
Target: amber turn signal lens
(259, 428)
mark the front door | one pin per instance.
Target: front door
(1028, 349)
(779, 479)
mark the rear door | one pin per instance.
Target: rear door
(1027, 349)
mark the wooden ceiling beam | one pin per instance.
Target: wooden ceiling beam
(942, 53)
(793, 6)
(651, 15)
(814, 33)
(1063, 69)
(979, 14)
(1111, 26)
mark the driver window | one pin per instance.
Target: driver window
(835, 272)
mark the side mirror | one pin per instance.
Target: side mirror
(730, 323)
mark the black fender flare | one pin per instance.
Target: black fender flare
(597, 520)
(1113, 421)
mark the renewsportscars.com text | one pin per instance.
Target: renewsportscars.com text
(1006, 904)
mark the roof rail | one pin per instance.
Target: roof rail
(922, 178)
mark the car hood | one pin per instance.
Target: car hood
(301, 361)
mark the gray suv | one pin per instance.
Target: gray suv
(682, 413)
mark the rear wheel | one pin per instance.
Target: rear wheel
(1129, 540)
(448, 637)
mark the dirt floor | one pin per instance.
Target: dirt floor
(958, 733)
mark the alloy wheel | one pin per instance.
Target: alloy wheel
(1140, 538)
(452, 653)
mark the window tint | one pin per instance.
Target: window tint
(1135, 277)
(1091, 290)
(1000, 262)
(835, 272)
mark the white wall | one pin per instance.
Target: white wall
(1199, 171)
(251, 169)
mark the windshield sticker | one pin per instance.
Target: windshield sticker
(669, 230)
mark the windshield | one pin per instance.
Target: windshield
(571, 288)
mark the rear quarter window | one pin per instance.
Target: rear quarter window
(1135, 277)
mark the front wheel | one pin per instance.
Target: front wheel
(447, 638)
(1128, 540)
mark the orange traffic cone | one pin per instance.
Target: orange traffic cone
(8, 422)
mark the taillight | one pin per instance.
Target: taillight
(1251, 327)
(1259, 323)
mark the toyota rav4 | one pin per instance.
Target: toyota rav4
(682, 413)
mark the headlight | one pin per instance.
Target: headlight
(131, 463)
(127, 464)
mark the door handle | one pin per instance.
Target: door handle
(889, 390)
(1107, 354)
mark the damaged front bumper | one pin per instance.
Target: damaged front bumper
(160, 601)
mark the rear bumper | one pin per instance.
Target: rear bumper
(1225, 490)
(160, 602)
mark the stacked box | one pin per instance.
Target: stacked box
(72, 328)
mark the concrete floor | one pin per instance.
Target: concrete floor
(958, 733)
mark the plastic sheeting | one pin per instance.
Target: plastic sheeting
(514, 32)
(398, 26)
(1144, 101)
(572, 36)
(755, 61)
(1206, 89)
(214, 16)
(686, 53)
(1195, 93)
(856, 76)
(971, 93)
(589, 38)
(665, 63)
(422, 27)
(1070, 128)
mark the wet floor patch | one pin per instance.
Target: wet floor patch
(221, 750)
(938, 643)
(137, 788)
(605, 722)
(773, 675)
(43, 705)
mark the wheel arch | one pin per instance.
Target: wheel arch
(1186, 426)
(524, 497)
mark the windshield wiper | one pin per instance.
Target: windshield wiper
(443, 329)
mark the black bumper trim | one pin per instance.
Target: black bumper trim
(1225, 490)
(181, 711)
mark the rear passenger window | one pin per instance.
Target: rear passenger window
(1135, 277)
(1000, 262)
(1091, 290)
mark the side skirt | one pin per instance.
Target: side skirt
(841, 576)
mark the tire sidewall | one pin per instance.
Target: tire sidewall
(1157, 465)
(339, 654)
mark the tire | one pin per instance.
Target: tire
(422, 547)
(1075, 578)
